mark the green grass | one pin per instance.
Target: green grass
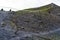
(43, 9)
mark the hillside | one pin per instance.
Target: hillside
(37, 19)
(41, 23)
(43, 20)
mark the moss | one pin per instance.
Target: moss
(55, 37)
(43, 9)
(12, 24)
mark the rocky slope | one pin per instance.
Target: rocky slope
(42, 23)
(36, 20)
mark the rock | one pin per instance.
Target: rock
(6, 35)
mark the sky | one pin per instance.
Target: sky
(24, 4)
